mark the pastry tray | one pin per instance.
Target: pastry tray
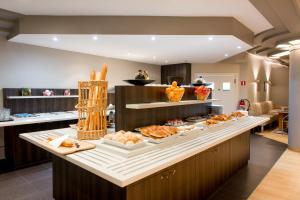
(126, 153)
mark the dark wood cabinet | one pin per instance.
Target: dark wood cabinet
(20, 153)
(194, 178)
(176, 70)
(198, 176)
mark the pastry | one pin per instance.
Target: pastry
(222, 117)
(158, 131)
(237, 114)
(127, 138)
(211, 122)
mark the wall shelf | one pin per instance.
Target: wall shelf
(167, 104)
(42, 97)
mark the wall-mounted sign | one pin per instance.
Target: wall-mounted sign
(243, 83)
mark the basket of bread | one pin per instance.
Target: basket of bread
(92, 104)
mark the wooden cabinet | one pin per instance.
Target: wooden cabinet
(194, 178)
(176, 70)
(174, 183)
(240, 151)
(20, 153)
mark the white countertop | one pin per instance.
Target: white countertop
(124, 171)
(41, 118)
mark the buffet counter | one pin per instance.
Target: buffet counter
(122, 172)
(41, 118)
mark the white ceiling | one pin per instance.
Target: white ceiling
(242, 10)
(141, 48)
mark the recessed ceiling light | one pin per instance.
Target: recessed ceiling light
(95, 37)
(154, 57)
(226, 55)
(129, 54)
(153, 38)
(55, 39)
(210, 38)
(239, 47)
(166, 61)
(295, 42)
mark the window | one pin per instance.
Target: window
(226, 86)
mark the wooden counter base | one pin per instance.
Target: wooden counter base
(194, 178)
(20, 153)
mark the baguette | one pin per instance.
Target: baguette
(88, 120)
(103, 72)
(103, 78)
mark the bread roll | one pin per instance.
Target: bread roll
(65, 143)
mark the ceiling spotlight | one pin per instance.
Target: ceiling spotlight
(95, 37)
(210, 38)
(128, 54)
(295, 42)
(154, 57)
(55, 39)
(239, 47)
(153, 38)
(226, 55)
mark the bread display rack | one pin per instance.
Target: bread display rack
(92, 105)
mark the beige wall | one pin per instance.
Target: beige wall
(32, 66)
(214, 68)
(38, 67)
(263, 70)
(280, 86)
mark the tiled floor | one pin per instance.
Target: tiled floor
(38, 180)
(33, 183)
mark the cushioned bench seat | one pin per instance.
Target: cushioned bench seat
(264, 109)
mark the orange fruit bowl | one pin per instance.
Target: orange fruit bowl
(175, 97)
(174, 92)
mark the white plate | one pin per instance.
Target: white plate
(124, 146)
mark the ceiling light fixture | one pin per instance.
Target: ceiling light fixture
(153, 38)
(210, 38)
(166, 61)
(129, 54)
(95, 37)
(226, 55)
(55, 39)
(154, 57)
(280, 54)
(295, 42)
(283, 46)
(238, 47)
